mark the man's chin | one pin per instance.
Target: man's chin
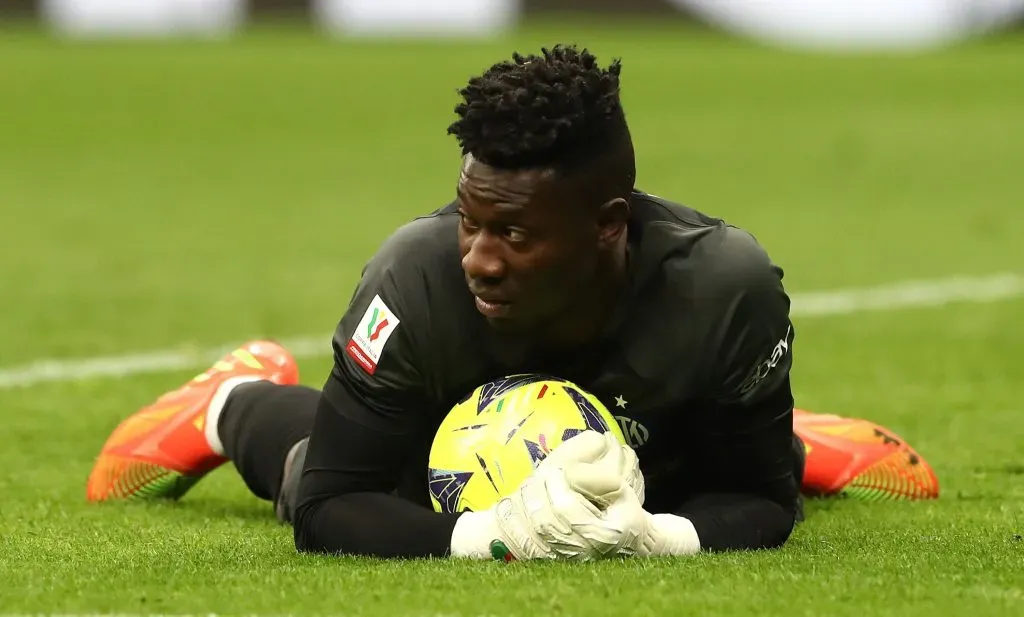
(512, 324)
(506, 325)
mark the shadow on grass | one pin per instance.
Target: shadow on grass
(203, 509)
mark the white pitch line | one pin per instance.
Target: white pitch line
(157, 361)
(906, 294)
(909, 294)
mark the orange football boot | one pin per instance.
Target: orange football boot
(857, 458)
(161, 451)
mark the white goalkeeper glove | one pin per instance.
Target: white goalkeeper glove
(669, 535)
(659, 534)
(614, 482)
(617, 464)
(576, 505)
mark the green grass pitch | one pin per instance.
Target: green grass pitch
(172, 194)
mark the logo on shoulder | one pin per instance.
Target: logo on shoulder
(762, 370)
(636, 434)
(379, 322)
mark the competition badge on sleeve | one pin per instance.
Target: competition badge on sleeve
(371, 335)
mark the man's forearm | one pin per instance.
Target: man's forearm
(738, 522)
(372, 524)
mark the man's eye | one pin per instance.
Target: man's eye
(516, 235)
(466, 221)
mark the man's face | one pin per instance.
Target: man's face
(528, 249)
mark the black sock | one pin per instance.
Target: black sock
(260, 423)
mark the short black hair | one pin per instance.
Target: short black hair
(558, 110)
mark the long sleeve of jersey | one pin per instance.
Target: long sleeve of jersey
(348, 502)
(749, 498)
(373, 421)
(748, 490)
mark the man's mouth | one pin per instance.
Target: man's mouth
(493, 309)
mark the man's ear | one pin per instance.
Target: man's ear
(612, 217)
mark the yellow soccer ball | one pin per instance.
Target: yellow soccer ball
(492, 440)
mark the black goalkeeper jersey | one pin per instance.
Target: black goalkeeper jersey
(694, 364)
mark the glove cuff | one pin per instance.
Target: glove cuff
(473, 533)
(674, 535)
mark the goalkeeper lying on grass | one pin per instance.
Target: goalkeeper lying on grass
(549, 260)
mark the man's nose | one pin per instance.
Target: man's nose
(483, 261)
